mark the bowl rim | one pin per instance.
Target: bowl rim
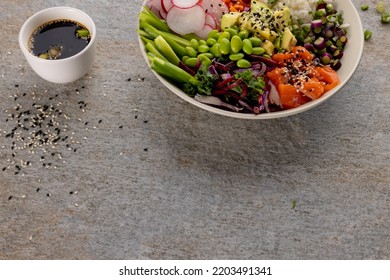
(271, 115)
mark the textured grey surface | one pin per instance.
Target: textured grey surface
(158, 178)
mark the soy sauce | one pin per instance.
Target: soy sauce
(59, 39)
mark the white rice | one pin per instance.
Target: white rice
(301, 9)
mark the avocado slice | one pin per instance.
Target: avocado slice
(229, 19)
(258, 6)
(282, 18)
(288, 40)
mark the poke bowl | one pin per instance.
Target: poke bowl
(240, 60)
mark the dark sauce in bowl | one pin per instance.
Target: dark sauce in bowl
(59, 39)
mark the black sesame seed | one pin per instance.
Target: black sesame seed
(4, 168)
(100, 121)
(10, 197)
(38, 189)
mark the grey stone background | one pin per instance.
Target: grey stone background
(148, 176)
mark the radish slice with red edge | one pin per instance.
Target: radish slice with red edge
(156, 7)
(217, 8)
(210, 20)
(185, 21)
(185, 3)
(166, 5)
(204, 31)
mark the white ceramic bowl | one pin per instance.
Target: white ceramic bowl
(351, 59)
(62, 70)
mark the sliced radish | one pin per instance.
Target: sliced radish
(217, 8)
(185, 3)
(166, 5)
(185, 21)
(156, 7)
(210, 20)
(204, 31)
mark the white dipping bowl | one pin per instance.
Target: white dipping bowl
(65, 70)
(351, 59)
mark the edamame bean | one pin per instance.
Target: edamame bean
(211, 42)
(231, 31)
(243, 63)
(236, 56)
(191, 62)
(194, 44)
(236, 44)
(205, 60)
(244, 34)
(224, 34)
(258, 50)
(247, 46)
(215, 50)
(202, 42)
(203, 48)
(191, 52)
(184, 58)
(224, 46)
(209, 55)
(256, 42)
(213, 34)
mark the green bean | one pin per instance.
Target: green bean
(247, 46)
(194, 44)
(224, 46)
(215, 50)
(243, 63)
(256, 41)
(236, 44)
(191, 52)
(191, 62)
(258, 50)
(203, 48)
(236, 56)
